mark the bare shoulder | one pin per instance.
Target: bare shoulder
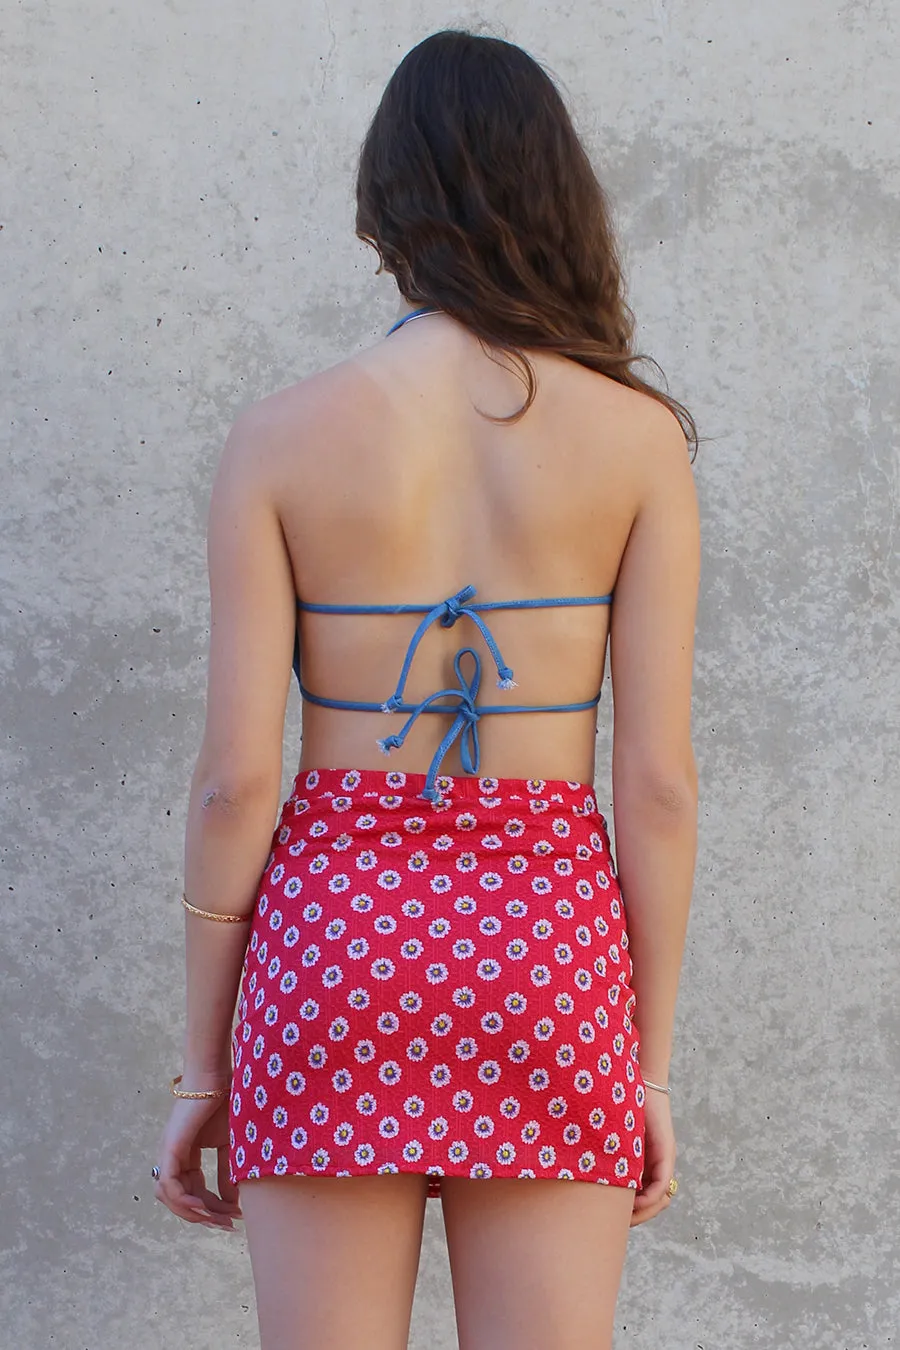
(293, 420)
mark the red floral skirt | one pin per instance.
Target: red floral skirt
(438, 988)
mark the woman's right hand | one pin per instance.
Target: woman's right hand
(659, 1158)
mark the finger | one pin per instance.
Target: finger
(645, 1215)
(183, 1206)
(177, 1190)
(213, 1207)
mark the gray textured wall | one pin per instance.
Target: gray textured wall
(177, 241)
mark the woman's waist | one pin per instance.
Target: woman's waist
(525, 746)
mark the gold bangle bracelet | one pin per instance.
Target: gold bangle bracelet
(216, 918)
(196, 1096)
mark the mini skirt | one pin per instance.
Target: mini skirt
(441, 988)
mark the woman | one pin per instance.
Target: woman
(440, 993)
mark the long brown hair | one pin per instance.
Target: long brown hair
(479, 198)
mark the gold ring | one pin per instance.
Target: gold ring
(672, 1187)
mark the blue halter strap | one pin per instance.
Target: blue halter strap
(462, 699)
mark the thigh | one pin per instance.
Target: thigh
(536, 1263)
(334, 1259)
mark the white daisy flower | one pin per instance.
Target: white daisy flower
(488, 969)
(411, 1002)
(440, 1075)
(366, 1104)
(519, 1051)
(464, 997)
(414, 1106)
(299, 1137)
(515, 1002)
(390, 1072)
(463, 1100)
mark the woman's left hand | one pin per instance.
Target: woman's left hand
(182, 1188)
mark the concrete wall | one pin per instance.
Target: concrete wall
(177, 241)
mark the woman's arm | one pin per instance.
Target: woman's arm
(236, 785)
(654, 774)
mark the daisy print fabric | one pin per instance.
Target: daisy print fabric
(438, 988)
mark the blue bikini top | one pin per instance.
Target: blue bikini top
(467, 712)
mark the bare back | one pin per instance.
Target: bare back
(392, 488)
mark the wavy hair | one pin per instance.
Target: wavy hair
(480, 200)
